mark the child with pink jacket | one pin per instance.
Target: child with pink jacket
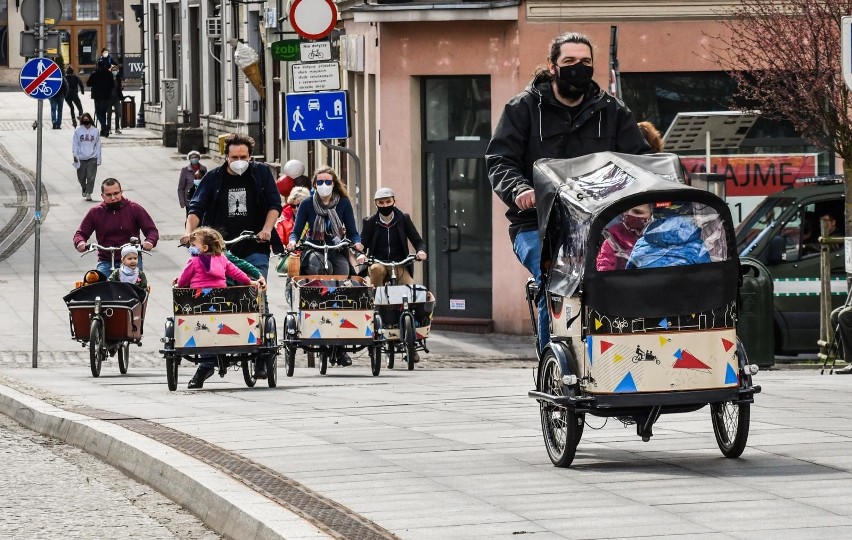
(208, 267)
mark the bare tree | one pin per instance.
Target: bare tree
(785, 58)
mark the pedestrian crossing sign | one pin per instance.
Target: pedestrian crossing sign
(317, 116)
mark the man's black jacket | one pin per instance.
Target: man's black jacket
(374, 237)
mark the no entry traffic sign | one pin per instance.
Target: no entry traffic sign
(313, 19)
(41, 78)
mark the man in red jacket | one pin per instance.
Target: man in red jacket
(115, 221)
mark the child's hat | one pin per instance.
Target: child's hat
(128, 249)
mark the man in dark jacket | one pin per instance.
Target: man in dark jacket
(563, 113)
(237, 196)
(116, 98)
(385, 236)
(114, 222)
(72, 97)
(101, 82)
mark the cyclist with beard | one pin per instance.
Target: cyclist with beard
(562, 113)
(114, 222)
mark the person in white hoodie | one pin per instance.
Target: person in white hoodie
(86, 147)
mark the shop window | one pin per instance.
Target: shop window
(88, 10)
(87, 46)
(458, 108)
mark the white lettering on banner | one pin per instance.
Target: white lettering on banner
(457, 304)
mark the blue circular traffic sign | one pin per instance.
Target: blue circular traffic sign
(41, 78)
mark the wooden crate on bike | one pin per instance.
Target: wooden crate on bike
(217, 317)
(334, 309)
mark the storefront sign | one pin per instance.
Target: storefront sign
(750, 175)
(286, 50)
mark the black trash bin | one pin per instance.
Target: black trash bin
(756, 321)
(128, 112)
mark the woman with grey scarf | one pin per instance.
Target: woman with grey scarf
(330, 219)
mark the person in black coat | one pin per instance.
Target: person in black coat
(385, 236)
(562, 113)
(101, 83)
(72, 97)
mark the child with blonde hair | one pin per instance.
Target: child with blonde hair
(209, 267)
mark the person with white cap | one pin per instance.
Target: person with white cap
(129, 271)
(386, 235)
(190, 177)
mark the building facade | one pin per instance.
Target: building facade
(427, 81)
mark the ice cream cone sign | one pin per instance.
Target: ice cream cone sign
(248, 60)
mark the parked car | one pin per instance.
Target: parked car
(782, 233)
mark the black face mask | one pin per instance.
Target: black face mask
(87, 123)
(386, 210)
(573, 81)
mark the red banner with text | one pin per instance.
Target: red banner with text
(755, 175)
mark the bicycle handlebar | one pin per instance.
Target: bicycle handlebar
(323, 247)
(95, 247)
(404, 262)
(245, 235)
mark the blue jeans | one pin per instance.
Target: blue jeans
(259, 261)
(56, 105)
(527, 248)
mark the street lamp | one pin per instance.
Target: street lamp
(139, 12)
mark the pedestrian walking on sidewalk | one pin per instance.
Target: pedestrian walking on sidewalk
(562, 113)
(100, 83)
(116, 99)
(72, 97)
(86, 149)
(114, 222)
(57, 101)
(190, 178)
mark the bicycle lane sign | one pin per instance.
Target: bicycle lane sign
(41, 78)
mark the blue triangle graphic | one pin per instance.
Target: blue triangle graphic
(369, 332)
(678, 354)
(212, 309)
(626, 384)
(589, 349)
(251, 339)
(335, 305)
(331, 290)
(316, 334)
(190, 342)
(664, 324)
(731, 375)
(206, 291)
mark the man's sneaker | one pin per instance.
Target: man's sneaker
(260, 369)
(344, 360)
(118, 131)
(89, 197)
(844, 371)
(201, 375)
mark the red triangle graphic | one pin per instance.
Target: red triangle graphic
(347, 324)
(687, 361)
(225, 329)
(180, 321)
(250, 321)
(727, 344)
(368, 316)
(307, 315)
(605, 345)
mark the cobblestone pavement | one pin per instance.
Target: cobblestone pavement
(53, 490)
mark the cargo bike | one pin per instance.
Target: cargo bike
(328, 314)
(230, 326)
(655, 337)
(107, 316)
(406, 313)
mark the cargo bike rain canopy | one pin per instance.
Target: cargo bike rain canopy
(580, 199)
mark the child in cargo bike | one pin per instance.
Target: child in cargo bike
(129, 271)
(209, 267)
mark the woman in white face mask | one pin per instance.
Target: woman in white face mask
(330, 219)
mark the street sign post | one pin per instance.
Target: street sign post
(315, 77)
(30, 12)
(29, 43)
(315, 51)
(40, 78)
(317, 116)
(846, 49)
